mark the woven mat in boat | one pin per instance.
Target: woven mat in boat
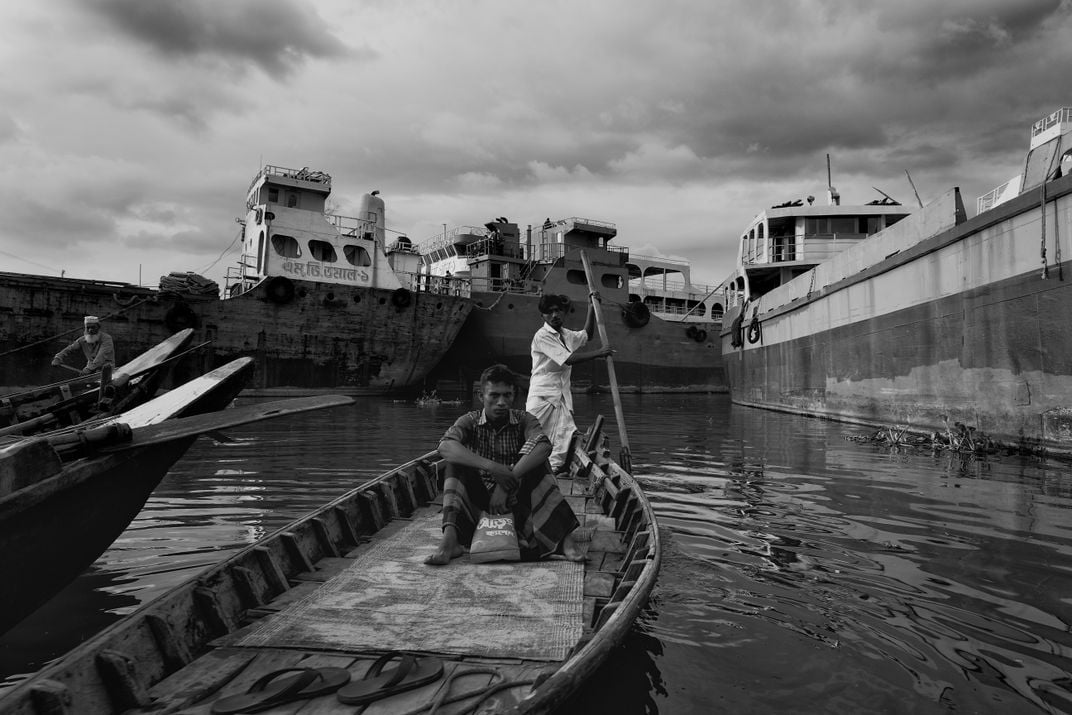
(389, 599)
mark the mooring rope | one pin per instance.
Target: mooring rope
(1045, 266)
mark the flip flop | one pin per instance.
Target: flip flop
(273, 690)
(411, 672)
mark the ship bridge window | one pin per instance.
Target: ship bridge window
(273, 196)
(292, 200)
(356, 255)
(286, 246)
(610, 280)
(322, 251)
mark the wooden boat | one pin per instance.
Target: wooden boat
(59, 511)
(352, 562)
(73, 401)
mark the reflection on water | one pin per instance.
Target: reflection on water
(803, 571)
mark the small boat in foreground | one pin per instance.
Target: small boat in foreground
(65, 496)
(336, 595)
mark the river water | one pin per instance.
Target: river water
(804, 571)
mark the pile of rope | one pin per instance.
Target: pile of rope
(189, 283)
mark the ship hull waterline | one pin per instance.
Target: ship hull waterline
(965, 327)
(658, 357)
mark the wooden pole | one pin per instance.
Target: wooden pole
(625, 458)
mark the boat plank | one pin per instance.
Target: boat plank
(325, 568)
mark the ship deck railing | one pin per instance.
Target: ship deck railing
(655, 285)
(350, 226)
(449, 238)
(817, 247)
(303, 174)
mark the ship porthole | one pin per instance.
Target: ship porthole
(357, 298)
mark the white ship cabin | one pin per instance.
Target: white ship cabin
(665, 286)
(497, 257)
(1049, 157)
(792, 237)
(287, 233)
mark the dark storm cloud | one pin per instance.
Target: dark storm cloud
(886, 83)
(275, 35)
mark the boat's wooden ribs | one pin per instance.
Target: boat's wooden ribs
(120, 679)
(173, 649)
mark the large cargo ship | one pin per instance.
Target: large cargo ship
(933, 320)
(663, 327)
(321, 302)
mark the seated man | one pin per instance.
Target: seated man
(95, 345)
(497, 462)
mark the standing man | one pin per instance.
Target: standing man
(497, 462)
(97, 347)
(555, 350)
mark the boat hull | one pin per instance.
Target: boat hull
(57, 519)
(659, 356)
(307, 336)
(963, 327)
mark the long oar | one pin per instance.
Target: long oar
(116, 436)
(625, 459)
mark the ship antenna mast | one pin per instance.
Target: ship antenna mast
(913, 185)
(833, 197)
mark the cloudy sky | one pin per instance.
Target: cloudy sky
(130, 129)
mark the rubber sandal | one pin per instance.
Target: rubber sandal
(272, 690)
(267, 692)
(444, 697)
(411, 672)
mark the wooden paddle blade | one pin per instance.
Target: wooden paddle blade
(180, 427)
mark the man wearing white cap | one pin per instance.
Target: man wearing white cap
(96, 345)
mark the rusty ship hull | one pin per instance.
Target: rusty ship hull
(665, 340)
(352, 340)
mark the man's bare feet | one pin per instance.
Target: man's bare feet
(443, 555)
(571, 549)
(448, 549)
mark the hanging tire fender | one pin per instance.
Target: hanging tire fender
(636, 314)
(755, 331)
(179, 317)
(401, 298)
(280, 290)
